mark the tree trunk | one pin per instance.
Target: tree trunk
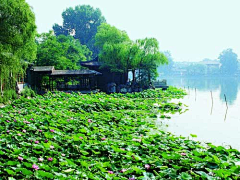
(149, 78)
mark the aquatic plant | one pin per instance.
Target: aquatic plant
(100, 136)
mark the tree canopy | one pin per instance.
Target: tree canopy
(81, 22)
(113, 45)
(121, 54)
(229, 61)
(62, 52)
(17, 33)
(151, 58)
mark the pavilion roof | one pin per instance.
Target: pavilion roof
(91, 63)
(42, 68)
(74, 72)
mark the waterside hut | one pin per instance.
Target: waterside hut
(46, 78)
(106, 78)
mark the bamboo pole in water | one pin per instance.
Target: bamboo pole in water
(212, 101)
(227, 107)
(226, 100)
(226, 115)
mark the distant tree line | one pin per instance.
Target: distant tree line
(227, 64)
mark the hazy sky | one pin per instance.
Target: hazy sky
(190, 29)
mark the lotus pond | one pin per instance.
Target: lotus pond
(98, 136)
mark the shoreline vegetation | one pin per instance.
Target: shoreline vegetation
(99, 136)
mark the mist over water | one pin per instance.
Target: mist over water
(208, 115)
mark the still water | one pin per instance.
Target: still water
(208, 116)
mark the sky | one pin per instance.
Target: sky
(190, 29)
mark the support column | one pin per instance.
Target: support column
(1, 87)
(49, 89)
(52, 83)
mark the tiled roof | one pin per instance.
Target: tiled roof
(74, 72)
(90, 63)
(42, 68)
(93, 62)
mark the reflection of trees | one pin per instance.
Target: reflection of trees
(230, 88)
(202, 84)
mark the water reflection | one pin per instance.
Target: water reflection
(227, 86)
(208, 116)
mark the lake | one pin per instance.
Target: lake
(208, 116)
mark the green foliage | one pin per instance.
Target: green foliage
(113, 45)
(81, 22)
(101, 136)
(8, 95)
(151, 58)
(17, 32)
(229, 61)
(28, 92)
(108, 34)
(120, 54)
(62, 52)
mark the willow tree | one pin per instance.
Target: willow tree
(229, 62)
(120, 54)
(150, 59)
(113, 44)
(17, 33)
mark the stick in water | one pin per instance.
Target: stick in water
(226, 115)
(226, 100)
(226, 109)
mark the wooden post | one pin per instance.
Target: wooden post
(49, 83)
(227, 107)
(226, 115)
(51, 87)
(226, 100)
(52, 83)
(1, 87)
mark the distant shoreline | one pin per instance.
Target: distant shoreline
(199, 76)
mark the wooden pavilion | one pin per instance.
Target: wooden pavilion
(46, 78)
(106, 77)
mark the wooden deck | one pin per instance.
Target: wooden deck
(161, 84)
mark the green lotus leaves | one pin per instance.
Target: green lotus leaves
(98, 136)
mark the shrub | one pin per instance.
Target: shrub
(28, 92)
